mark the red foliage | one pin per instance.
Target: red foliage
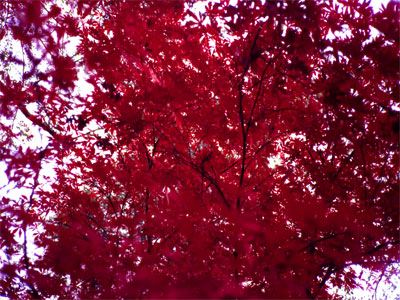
(165, 184)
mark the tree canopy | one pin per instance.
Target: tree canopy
(223, 150)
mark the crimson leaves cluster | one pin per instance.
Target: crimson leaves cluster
(245, 151)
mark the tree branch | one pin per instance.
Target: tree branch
(37, 121)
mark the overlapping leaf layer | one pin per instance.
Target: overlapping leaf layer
(246, 150)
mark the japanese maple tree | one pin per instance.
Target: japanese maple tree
(247, 150)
